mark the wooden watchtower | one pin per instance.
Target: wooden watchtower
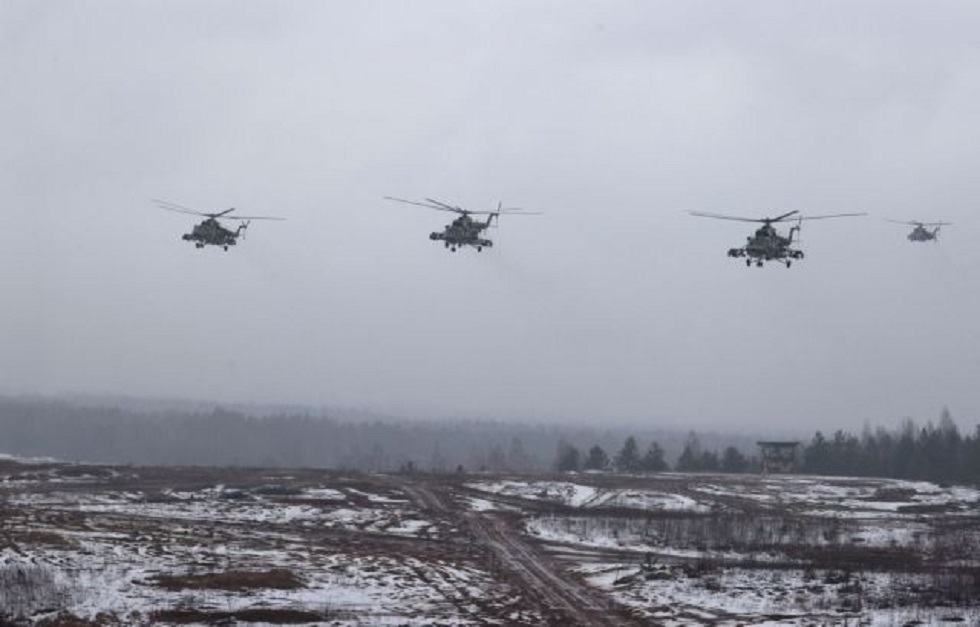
(779, 457)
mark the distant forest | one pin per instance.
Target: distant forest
(88, 432)
(127, 431)
(930, 452)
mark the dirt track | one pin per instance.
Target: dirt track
(562, 599)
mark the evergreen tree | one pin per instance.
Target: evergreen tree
(950, 448)
(905, 451)
(597, 459)
(496, 460)
(690, 458)
(708, 461)
(732, 460)
(568, 458)
(628, 458)
(517, 458)
(816, 456)
(438, 461)
(653, 460)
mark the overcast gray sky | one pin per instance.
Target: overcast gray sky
(612, 117)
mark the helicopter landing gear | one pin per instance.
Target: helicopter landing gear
(758, 264)
(453, 249)
(226, 249)
(748, 262)
(479, 249)
(789, 263)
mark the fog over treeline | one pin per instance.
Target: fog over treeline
(147, 432)
(156, 432)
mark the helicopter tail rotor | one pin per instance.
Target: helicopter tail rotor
(495, 214)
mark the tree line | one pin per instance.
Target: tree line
(221, 437)
(930, 452)
(693, 458)
(130, 431)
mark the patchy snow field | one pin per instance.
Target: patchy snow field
(728, 549)
(578, 495)
(127, 545)
(140, 546)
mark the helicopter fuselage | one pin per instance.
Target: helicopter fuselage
(922, 234)
(464, 231)
(211, 233)
(766, 244)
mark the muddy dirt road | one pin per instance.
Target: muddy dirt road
(563, 600)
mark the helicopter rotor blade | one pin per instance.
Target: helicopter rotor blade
(247, 218)
(425, 204)
(833, 215)
(447, 206)
(917, 223)
(172, 206)
(784, 216)
(721, 216)
(193, 213)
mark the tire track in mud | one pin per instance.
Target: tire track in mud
(568, 601)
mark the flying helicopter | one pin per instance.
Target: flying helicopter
(767, 244)
(210, 231)
(920, 233)
(464, 230)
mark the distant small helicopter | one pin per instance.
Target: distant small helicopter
(766, 244)
(464, 230)
(920, 233)
(210, 231)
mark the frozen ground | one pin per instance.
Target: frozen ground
(723, 549)
(131, 545)
(139, 546)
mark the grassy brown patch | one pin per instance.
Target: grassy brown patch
(277, 578)
(256, 615)
(42, 538)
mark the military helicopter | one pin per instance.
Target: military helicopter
(211, 232)
(767, 244)
(464, 230)
(920, 233)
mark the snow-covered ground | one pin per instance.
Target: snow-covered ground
(96, 545)
(144, 546)
(752, 550)
(579, 495)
